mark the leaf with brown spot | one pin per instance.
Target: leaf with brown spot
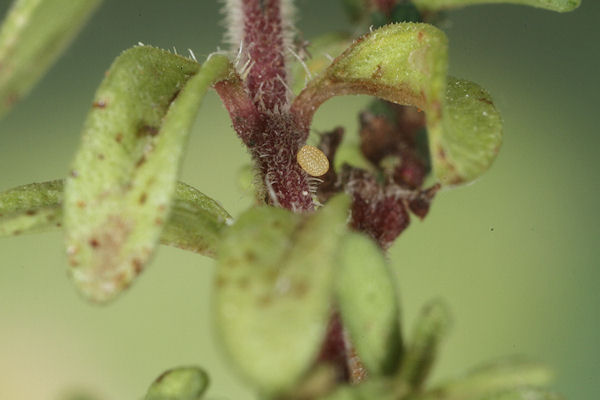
(407, 64)
(138, 91)
(31, 208)
(273, 325)
(195, 222)
(32, 36)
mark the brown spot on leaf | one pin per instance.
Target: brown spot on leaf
(141, 161)
(265, 300)
(99, 104)
(147, 130)
(81, 204)
(137, 265)
(17, 232)
(119, 137)
(74, 174)
(221, 282)
(251, 257)
(94, 243)
(30, 212)
(299, 289)
(100, 156)
(484, 100)
(377, 73)
(143, 198)
(159, 221)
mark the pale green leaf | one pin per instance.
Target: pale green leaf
(185, 383)
(553, 5)
(367, 299)
(31, 208)
(33, 34)
(118, 194)
(372, 389)
(274, 289)
(488, 379)
(526, 393)
(195, 222)
(406, 63)
(430, 328)
(471, 133)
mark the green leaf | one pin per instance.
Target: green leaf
(274, 290)
(553, 5)
(195, 222)
(431, 327)
(372, 389)
(523, 394)
(31, 208)
(184, 383)
(507, 374)
(367, 299)
(472, 133)
(32, 36)
(406, 63)
(118, 195)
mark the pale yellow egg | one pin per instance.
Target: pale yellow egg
(312, 160)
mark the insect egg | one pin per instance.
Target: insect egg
(313, 161)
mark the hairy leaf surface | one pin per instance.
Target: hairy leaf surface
(406, 63)
(118, 194)
(195, 222)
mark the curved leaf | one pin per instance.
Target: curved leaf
(118, 195)
(33, 34)
(430, 328)
(406, 63)
(472, 133)
(274, 290)
(553, 5)
(195, 222)
(509, 374)
(184, 383)
(367, 300)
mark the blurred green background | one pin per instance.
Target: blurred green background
(515, 254)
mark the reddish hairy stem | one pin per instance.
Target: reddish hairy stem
(264, 47)
(259, 107)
